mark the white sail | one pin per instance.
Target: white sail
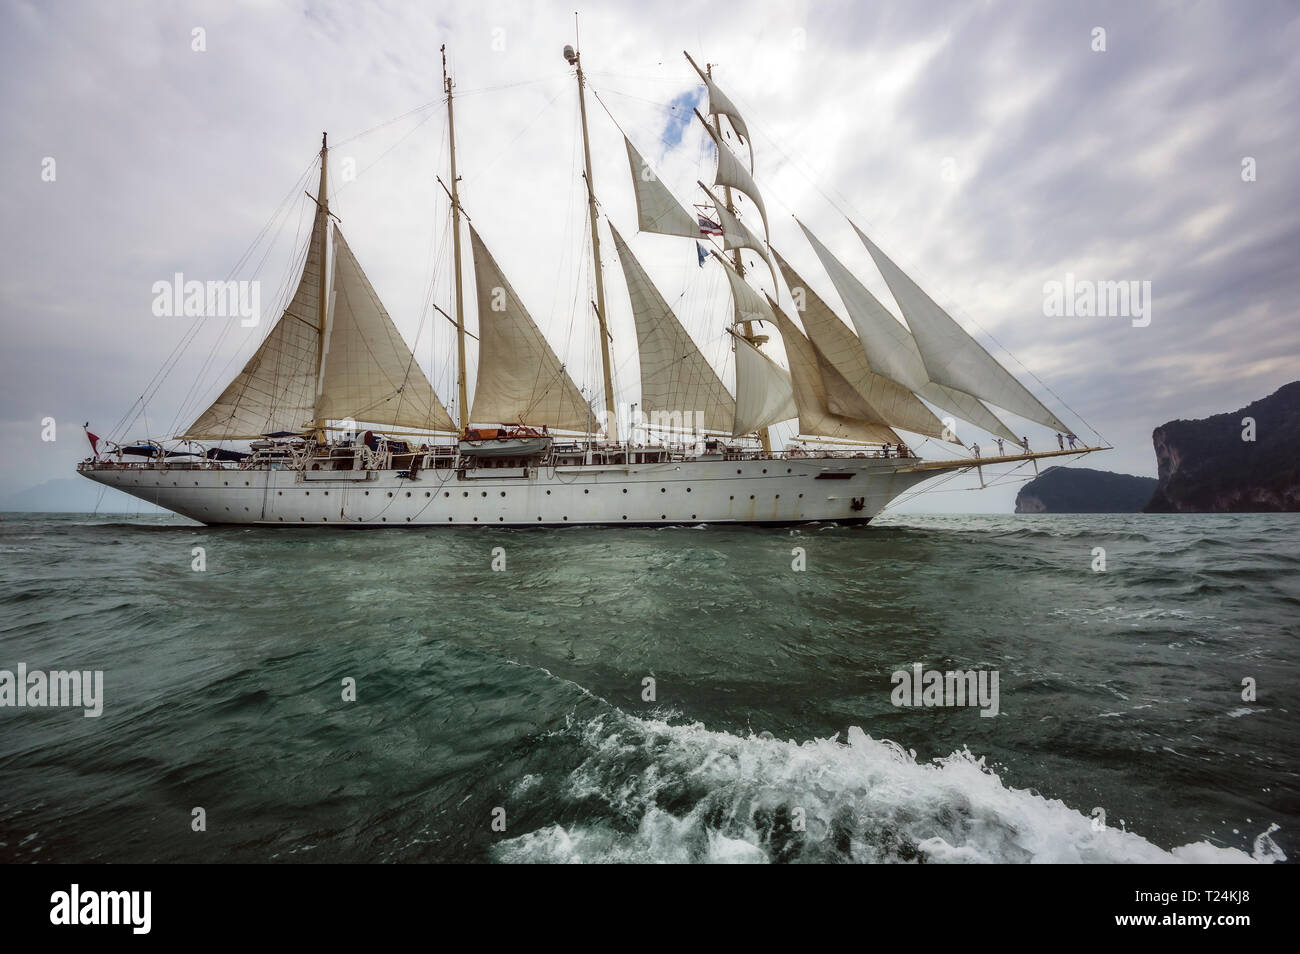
(764, 392)
(952, 357)
(369, 373)
(721, 104)
(657, 209)
(735, 234)
(856, 384)
(676, 379)
(750, 305)
(891, 350)
(520, 379)
(276, 390)
(815, 416)
(731, 173)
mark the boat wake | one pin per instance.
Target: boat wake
(652, 791)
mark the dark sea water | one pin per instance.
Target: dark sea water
(519, 695)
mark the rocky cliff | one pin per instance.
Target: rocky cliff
(1224, 464)
(1081, 490)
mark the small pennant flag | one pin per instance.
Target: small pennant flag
(699, 250)
(709, 227)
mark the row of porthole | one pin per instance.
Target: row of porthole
(662, 490)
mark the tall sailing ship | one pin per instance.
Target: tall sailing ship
(332, 422)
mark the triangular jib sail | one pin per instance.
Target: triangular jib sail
(952, 357)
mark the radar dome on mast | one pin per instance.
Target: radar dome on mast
(569, 55)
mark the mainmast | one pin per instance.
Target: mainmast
(322, 305)
(462, 388)
(611, 419)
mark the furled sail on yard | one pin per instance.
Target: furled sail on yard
(855, 382)
(891, 351)
(952, 357)
(676, 378)
(815, 416)
(657, 209)
(520, 378)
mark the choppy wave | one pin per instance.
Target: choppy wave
(658, 792)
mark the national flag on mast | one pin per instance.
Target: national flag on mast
(699, 250)
(709, 227)
(93, 438)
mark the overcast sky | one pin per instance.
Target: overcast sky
(990, 148)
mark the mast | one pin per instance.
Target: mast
(747, 327)
(611, 419)
(462, 388)
(322, 305)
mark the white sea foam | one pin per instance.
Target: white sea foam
(683, 793)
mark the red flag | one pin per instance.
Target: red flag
(94, 441)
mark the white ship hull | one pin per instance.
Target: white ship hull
(773, 491)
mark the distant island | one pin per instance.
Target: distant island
(1083, 490)
(1242, 462)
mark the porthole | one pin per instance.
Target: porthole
(503, 493)
(584, 490)
(737, 470)
(624, 516)
(778, 496)
(306, 493)
(465, 494)
(279, 493)
(625, 491)
(732, 497)
(692, 516)
(427, 494)
(446, 493)
(788, 470)
(765, 470)
(548, 493)
(390, 493)
(688, 490)
(501, 519)
(751, 496)
(663, 490)
(663, 516)
(408, 493)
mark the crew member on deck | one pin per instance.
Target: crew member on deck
(1025, 441)
(1060, 441)
(1071, 438)
(975, 449)
(1001, 451)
